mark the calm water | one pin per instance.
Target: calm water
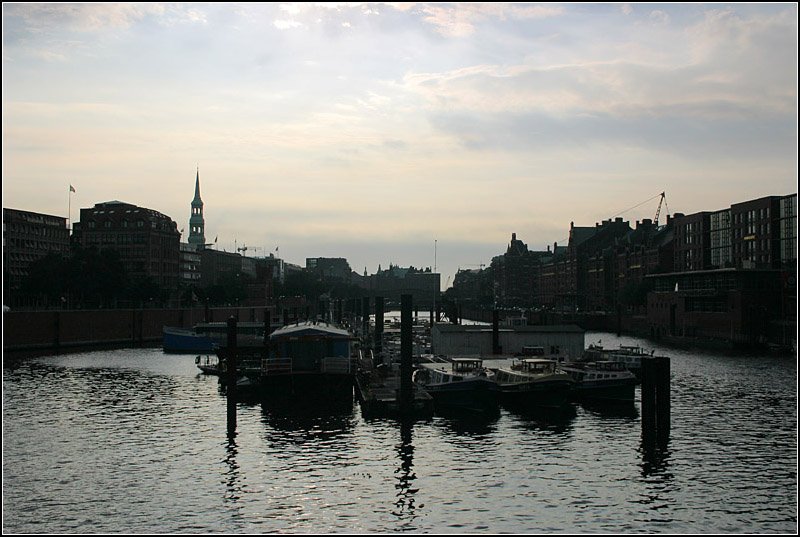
(135, 441)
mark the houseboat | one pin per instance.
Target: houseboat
(533, 381)
(307, 359)
(458, 382)
(602, 382)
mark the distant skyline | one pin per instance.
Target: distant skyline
(406, 133)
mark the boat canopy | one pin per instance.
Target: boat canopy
(311, 329)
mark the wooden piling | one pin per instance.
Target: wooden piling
(406, 387)
(230, 364)
(365, 317)
(378, 346)
(496, 349)
(655, 399)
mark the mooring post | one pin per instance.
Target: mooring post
(496, 349)
(57, 331)
(230, 365)
(655, 399)
(406, 387)
(267, 325)
(379, 327)
(662, 398)
(365, 318)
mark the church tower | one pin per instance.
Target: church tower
(197, 233)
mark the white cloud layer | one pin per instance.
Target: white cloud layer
(382, 123)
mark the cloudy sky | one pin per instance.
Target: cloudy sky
(413, 134)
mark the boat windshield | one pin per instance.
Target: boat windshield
(537, 366)
(465, 365)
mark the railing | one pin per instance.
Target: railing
(336, 364)
(276, 366)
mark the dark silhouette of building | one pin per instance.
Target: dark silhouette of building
(329, 269)
(734, 276)
(148, 241)
(28, 237)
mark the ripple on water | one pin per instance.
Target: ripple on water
(135, 441)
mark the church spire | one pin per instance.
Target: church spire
(197, 187)
(197, 236)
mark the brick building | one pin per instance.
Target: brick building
(148, 241)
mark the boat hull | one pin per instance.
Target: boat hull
(479, 392)
(539, 393)
(178, 341)
(316, 386)
(609, 391)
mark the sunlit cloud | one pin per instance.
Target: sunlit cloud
(394, 124)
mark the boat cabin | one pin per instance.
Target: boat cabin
(466, 365)
(535, 366)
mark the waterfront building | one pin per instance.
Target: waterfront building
(197, 225)
(565, 341)
(422, 284)
(787, 225)
(147, 241)
(756, 242)
(568, 286)
(734, 276)
(190, 264)
(645, 250)
(739, 306)
(329, 269)
(720, 239)
(28, 237)
(692, 241)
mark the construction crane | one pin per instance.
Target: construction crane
(658, 211)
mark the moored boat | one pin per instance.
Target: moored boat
(533, 381)
(307, 359)
(205, 337)
(628, 355)
(602, 381)
(460, 382)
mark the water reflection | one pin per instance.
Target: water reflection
(556, 420)
(404, 504)
(307, 419)
(233, 489)
(465, 422)
(622, 410)
(655, 457)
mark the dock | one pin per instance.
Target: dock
(378, 392)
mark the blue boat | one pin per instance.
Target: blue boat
(204, 338)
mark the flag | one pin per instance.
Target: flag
(71, 188)
(215, 239)
(276, 248)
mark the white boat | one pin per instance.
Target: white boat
(628, 355)
(602, 381)
(533, 381)
(458, 382)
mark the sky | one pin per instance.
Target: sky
(409, 134)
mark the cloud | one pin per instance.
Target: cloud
(659, 17)
(82, 17)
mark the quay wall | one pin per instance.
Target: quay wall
(63, 329)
